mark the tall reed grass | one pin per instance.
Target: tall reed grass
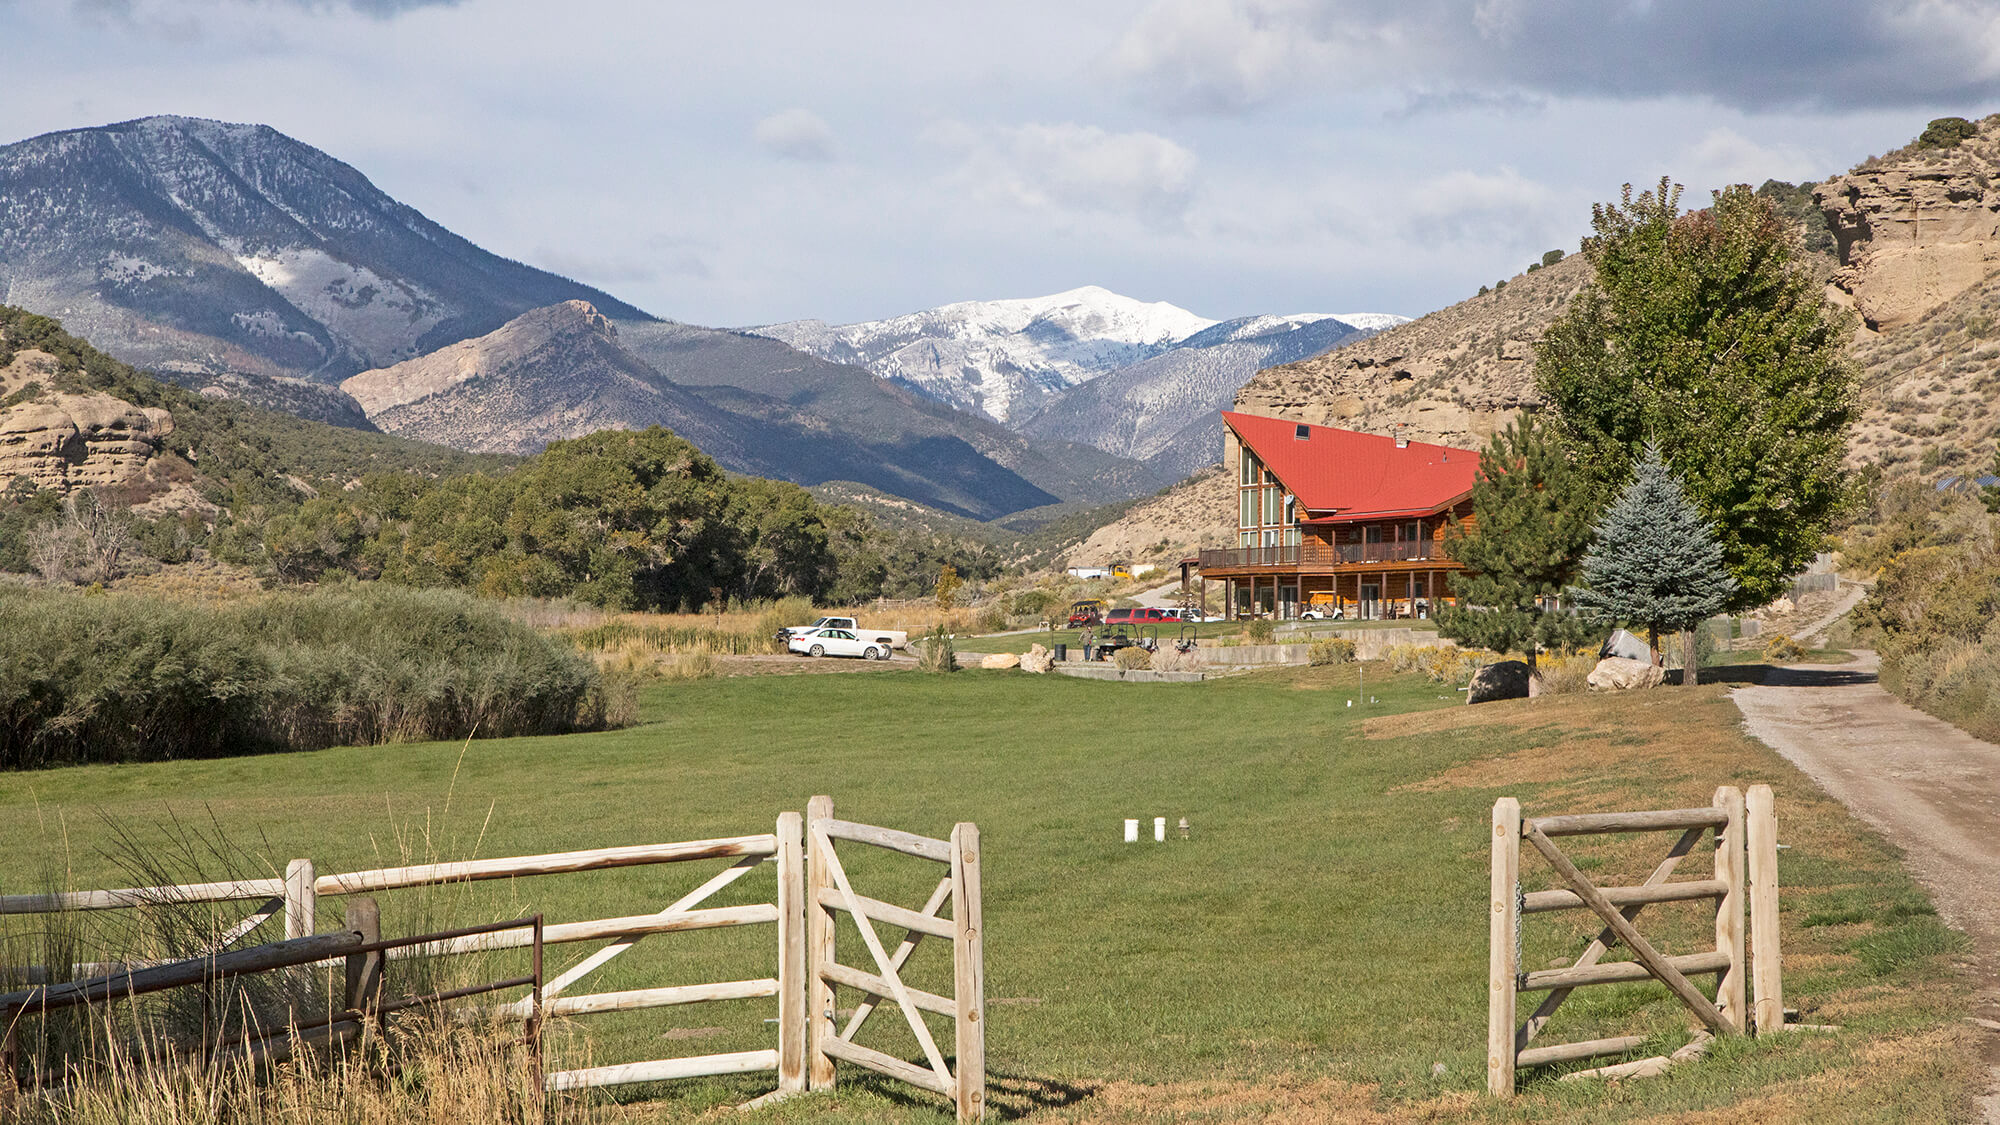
(114, 677)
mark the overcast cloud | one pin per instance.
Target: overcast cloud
(739, 164)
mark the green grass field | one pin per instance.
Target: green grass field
(1315, 952)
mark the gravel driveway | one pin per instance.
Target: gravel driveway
(1926, 786)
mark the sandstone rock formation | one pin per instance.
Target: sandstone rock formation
(1615, 673)
(1037, 660)
(1916, 229)
(999, 661)
(65, 441)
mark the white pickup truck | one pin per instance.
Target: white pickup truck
(894, 638)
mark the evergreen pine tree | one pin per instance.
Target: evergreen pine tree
(1532, 513)
(1656, 563)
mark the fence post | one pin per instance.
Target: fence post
(969, 971)
(1503, 924)
(364, 970)
(791, 954)
(1730, 995)
(1761, 833)
(301, 899)
(820, 951)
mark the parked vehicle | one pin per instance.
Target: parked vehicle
(887, 638)
(837, 642)
(1140, 615)
(1087, 613)
(1323, 606)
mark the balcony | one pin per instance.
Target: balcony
(1320, 555)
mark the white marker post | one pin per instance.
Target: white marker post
(1131, 831)
(1159, 830)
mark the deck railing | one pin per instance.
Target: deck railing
(1318, 554)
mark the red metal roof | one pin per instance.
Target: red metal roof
(1341, 475)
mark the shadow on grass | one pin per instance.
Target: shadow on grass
(1009, 1096)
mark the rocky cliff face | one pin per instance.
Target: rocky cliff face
(1454, 377)
(66, 441)
(1915, 229)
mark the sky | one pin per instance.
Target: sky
(745, 163)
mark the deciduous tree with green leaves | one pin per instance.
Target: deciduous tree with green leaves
(1657, 562)
(1705, 334)
(1532, 512)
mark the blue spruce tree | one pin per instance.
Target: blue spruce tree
(1657, 562)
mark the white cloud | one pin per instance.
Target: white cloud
(1208, 56)
(796, 134)
(1071, 167)
(1483, 209)
(1725, 156)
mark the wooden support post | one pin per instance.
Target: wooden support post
(1730, 995)
(301, 899)
(1766, 973)
(364, 970)
(820, 950)
(791, 954)
(969, 964)
(1503, 920)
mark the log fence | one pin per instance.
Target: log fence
(1738, 872)
(801, 967)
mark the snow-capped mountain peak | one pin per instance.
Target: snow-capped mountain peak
(1001, 358)
(1007, 359)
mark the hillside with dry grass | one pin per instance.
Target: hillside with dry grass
(1914, 237)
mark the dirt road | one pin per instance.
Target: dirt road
(1928, 787)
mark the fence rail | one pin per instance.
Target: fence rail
(1737, 870)
(802, 964)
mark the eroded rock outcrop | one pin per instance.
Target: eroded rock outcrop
(1915, 229)
(64, 441)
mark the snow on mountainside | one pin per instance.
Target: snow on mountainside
(1001, 358)
(233, 254)
(1164, 409)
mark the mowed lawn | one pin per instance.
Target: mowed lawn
(1315, 952)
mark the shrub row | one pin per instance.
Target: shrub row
(119, 678)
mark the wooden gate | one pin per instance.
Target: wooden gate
(1508, 1045)
(832, 892)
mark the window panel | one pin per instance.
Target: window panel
(1247, 509)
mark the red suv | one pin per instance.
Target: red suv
(1139, 615)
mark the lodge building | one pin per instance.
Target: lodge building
(1356, 519)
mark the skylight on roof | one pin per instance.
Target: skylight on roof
(1303, 432)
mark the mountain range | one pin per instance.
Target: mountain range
(1020, 360)
(240, 262)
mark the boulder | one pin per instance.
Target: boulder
(1615, 673)
(999, 661)
(1625, 646)
(1037, 660)
(1505, 679)
(1783, 607)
